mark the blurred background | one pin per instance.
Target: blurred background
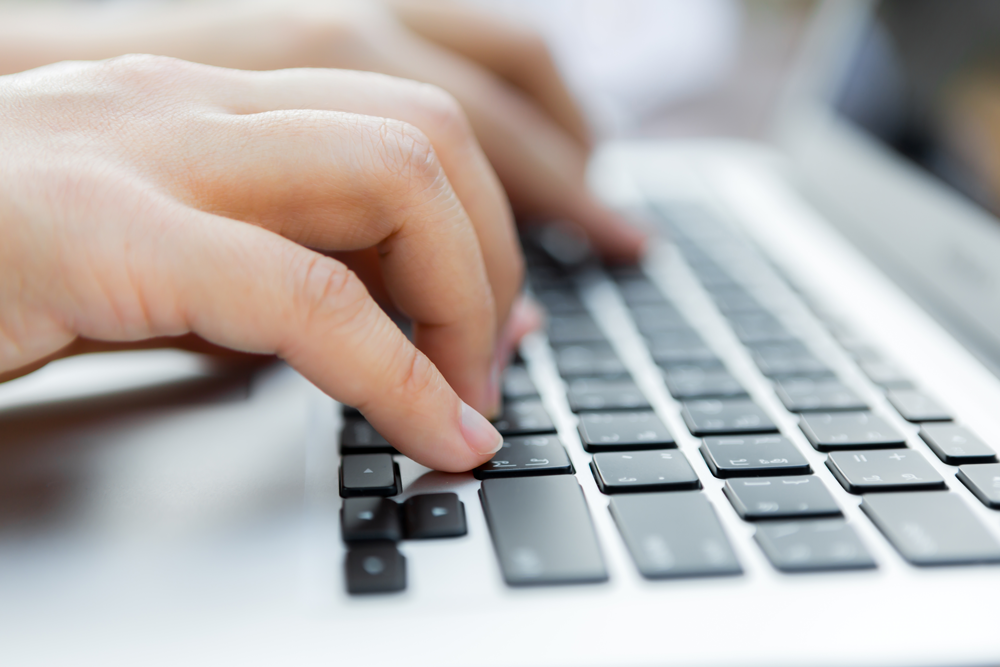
(672, 68)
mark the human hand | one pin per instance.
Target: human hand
(500, 72)
(145, 197)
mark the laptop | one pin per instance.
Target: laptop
(773, 443)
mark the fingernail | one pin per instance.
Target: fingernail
(479, 434)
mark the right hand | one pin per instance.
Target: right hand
(145, 197)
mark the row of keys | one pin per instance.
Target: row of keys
(420, 517)
(926, 527)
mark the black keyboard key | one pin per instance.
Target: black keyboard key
(753, 328)
(434, 515)
(527, 455)
(366, 519)
(784, 358)
(753, 455)
(885, 374)
(984, 482)
(524, 417)
(956, 445)
(781, 497)
(811, 546)
(643, 471)
(849, 430)
(594, 359)
(680, 348)
(615, 431)
(570, 329)
(723, 417)
(542, 531)
(368, 475)
(883, 470)
(700, 382)
(915, 406)
(651, 320)
(817, 394)
(375, 568)
(360, 437)
(674, 535)
(604, 394)
(932, 528)
(518, 384)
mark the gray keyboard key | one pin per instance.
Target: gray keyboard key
(527, 455)
(366, 519)
(753, 328)
(885, 374)
(682, 347)
(360, 437)
(810, 546)
(735, 300)
(604, 394)
(817, 394)
(375, 567)
(753, 455)
(542, 531)
(643, 471)
(615, 431)
(781, 497)
(674, 535)
(915, 406)
(524, 417)
(518, 384)
(790, 357)
(700, 382)
(560, 301)
(932, 528)
(569, 329)
(883, 470)
(956, 445)
(594, 359)
(984, 482)
(830, 431)
(368, 475)
(651, 320)
(640, 291)
(722, 417)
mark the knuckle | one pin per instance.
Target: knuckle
(405, 152)
(326, 289)
(442, 111)
(141, 68)
(534, 48)
(417, 376)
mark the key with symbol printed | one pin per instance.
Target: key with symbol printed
(753, 455)
(780, 497)
(629, 472)
(433, 515)
(617, 431)
(883, 470)
(525, 456)
(368, 475)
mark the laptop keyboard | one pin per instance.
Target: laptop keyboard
(538, 516)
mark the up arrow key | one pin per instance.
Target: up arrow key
(368, 475)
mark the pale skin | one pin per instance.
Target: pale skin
(144, 197)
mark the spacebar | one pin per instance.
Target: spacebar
(542, 530)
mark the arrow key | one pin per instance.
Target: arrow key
(368, 475)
